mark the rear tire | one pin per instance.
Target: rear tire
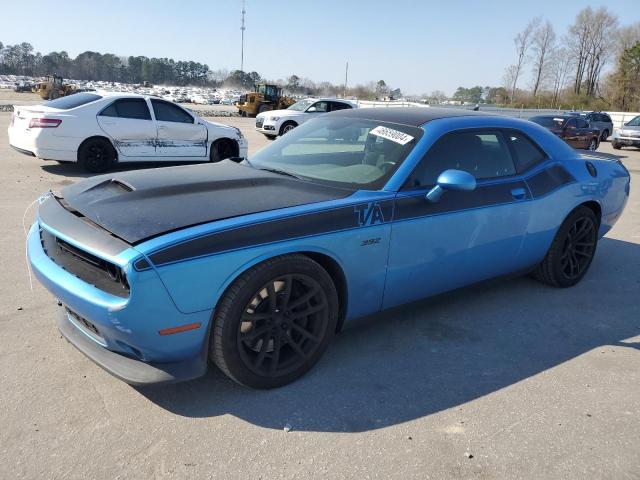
(616, 145)
(274, 322)
(571, 251)
(97, 155)
(604, 135)
(593, 145)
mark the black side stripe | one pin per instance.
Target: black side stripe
(316, 223)
(483, 196)
(359, 215)
(548, 180)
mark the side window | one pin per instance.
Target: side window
(524, 152)
(167, 112)
(582, 123)
(571, 123)
(339, 106)
(321, 106)
(482, 153)
(135, 108)
(606, 118)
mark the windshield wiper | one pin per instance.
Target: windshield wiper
(281, 172)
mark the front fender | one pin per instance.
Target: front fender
(197, 284)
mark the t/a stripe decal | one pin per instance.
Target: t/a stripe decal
(316, 223)
(362, 215)
(483, 196)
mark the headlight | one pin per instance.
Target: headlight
(273, 119)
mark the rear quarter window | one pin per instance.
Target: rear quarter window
(72, 101)
(525, 153)
(134, 108)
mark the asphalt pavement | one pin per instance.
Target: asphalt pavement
(507, 379)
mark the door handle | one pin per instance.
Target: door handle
(519, 193)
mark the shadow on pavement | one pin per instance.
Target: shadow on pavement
(73, 170)
(436, 354)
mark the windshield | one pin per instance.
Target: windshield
(548, 122)
(634, 122)
(340, 151)
(301, 105)
(72, 101)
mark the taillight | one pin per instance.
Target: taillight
(44, 122)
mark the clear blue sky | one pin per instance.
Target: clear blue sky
(418, 45)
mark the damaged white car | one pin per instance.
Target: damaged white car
(98, 130)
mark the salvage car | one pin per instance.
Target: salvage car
(279, 122)
(600, 120)
(574, 130)
(255, 265)
(99, 130)
(628, 135)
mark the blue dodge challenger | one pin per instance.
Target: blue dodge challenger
(255, 264)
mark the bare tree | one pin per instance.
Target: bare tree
(522, 43)
(600, 47)
(559, 66)
(543, 44)
(590, 40)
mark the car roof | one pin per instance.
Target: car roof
(413, 116)
(563, 116)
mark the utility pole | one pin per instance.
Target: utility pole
(346, 76)
(242, 29)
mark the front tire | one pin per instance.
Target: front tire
(593, 145)
(287, 127)
(222, 149)
(616, 145)
(274, 322)
(96, 155)
(571, 251)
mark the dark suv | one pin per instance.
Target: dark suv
(599, 120)
(575, 130)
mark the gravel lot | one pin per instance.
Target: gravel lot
(508, 379)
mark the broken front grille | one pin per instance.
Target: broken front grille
(100, 273)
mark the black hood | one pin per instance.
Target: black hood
(142, 204)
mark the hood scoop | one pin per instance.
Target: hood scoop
(139, 205)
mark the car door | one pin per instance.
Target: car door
(179, 133)
(570, 133)
(466, 236)
(129, 124)
(584, 132)
(314, 110)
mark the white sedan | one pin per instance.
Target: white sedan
(99, 129)
(279, 122)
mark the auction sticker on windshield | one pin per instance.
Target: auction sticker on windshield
(391, 134)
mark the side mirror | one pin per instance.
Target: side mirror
(312, 109)
(454, 180)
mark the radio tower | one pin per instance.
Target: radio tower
(242, 29)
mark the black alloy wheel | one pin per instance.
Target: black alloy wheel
(579, 247)
(571, 251)
(97, 155)
(274, 322)
(283, 325)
